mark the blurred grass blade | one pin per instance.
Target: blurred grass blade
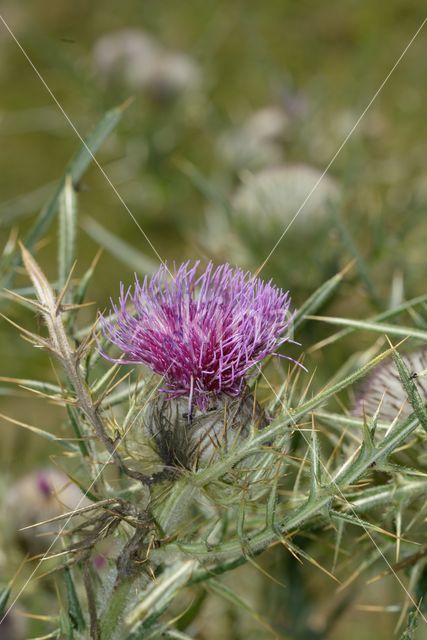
(210, 192)
(351, 246)
(386, 315)
(318, 298)
(40, 432)
(4, 598)
(231, 596)
(120, 249)
(21, 206)
(83, 284)
(67, 231)
(76, 168)
(378, 327)
(34, 385)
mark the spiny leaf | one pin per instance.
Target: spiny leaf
(81, 289)
(65, 626)
(74, 610)
(315, 464)
(67, 231)
(36, 385)
(411, 627)
(411, 390)
(78, 431)
(41, 432)
(41, 284)
(160, 593)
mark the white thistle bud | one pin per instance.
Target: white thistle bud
(383, 389)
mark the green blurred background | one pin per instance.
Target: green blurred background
(320, 63)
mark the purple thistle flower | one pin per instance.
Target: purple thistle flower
(204, 333)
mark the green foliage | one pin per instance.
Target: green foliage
(321, 501)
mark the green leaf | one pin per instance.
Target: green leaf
(4, 598)
(24, 205)
(40, 432)
(65, 626)
(415, 400)
(67, 231)
(378, 327)
(123, 251)
(74, 610)
(351, 246)
(386, 315)
(34, 385)
(210, 191)
(411, 627)
(78, 431)
(228, 594)
(159, 594)
(317, 299)
(315, 464)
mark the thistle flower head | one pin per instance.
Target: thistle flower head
(276, 193)
(383, 390)
(137, 60)
(202, 333)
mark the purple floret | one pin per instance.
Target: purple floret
(202, 333)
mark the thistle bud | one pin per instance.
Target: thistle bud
(192, 438)
(383, 391)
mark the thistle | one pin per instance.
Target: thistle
(136, 60)
(383, 392)
(204, 334)
(36, 497)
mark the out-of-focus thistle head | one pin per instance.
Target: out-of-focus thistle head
(257, 142)
(138, 61)
(275, 194)
(14, 626)
(39, 496)
(383, 390)
(203, 333)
